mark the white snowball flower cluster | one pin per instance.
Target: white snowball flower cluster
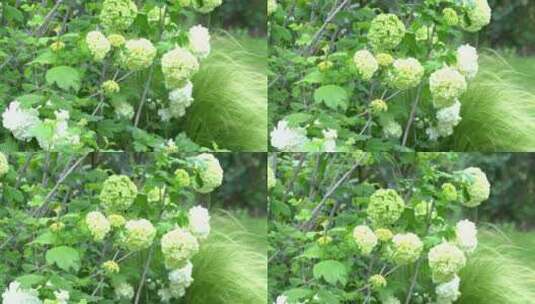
(124, 109)
(288, 139)
(178, 66)
(62, 136)
(282, 299)
(15, 294)
(179, 100)
(20, 121)
(366, 64)
(479, 14)
(446, 85)
(62, 296)
(447, 119)
(138, 54)
(407, 248)
(479, 188)
(209, 171)
(392, 129)
(139, 234)
(199, 41)
(330, 136)
(179, 280)
(445, 261)
(98, 45)
(448, 292)
(466, 236)
(467, 61)
(271, 7)
(124, 291)
(199, 222)
(178, 246)
(365, 239)
(406, 73)
(98, 225)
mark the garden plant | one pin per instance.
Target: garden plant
(128, 75)
(123, 228)
(389, 228)
(392, 75)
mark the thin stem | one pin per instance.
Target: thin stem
(412, 116)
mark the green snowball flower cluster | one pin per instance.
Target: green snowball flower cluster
(406, 248)
(98, 45)
(366, 64)
(178, 246)
(210, 173)
(111, 267)
(445, 261)
(118, 193)
(154, 15)
(116, 40)
(449, 192)
(182, 178)
(446, 85)
(450, 16)
(118, 15)
(139, 234)
(478, 13)
(377, 281)
(116, 220)
(383, 234)
(386, 32)
(479, 188)
(384, 59)
(378, 106)
(365, 239)
(422, 209)
(406, 73)
(98, 225)
(385, 207)
(178, 66)
(138, 54)
(110, 87)
(4, 165)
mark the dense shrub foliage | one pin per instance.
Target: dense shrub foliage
(372, 228)
(375, 75)
(120, 228)
(125, 75)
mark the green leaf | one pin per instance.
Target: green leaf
(331, 271)
(29, 280)
(65, 77)
(297, 294)
(332, 96)
(296, 119)
(64, 257)
(46, 238)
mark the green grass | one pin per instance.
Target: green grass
(230, 93)
(231, 267)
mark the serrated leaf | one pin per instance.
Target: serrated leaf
(331, 271)
(332, 96)
(30, 280)
(64, 77)
(64, 257)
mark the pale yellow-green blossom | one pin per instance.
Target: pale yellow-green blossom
(406, 248)
(365, 239)
(178, 66)
(446, 85)
(386, 32)
(445, 261)
(479, 187)
(138, 54)
(385, 207)
(139, 234)
(118, 193)
(98, 45)
(178, 246)
(98, 225)
(118, 15)
(365, 63)
(406, 73)
(209, 172)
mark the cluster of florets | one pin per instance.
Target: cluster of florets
(16, 294)
(383, 234)
(209, 172)
(199, 222)
(138, 54)
(180, 279)
(111, 267)
(366, 64)
(377, 281)
(466, 236)
(478, 188)
(20, 121)
(139, 234)
(110, 87)
(406, 73)
(4, 165)
(386, 32)
(182, 178)
(178, 246)
(449, 192)
(378, 106)
(98, 45)
(478, 13)
(62, 136)
(385, 207)
(384, 59)
(329, 140)
(450, 16)
(365, 239)
(199, 41)
(178, 66)
(116, 40)
(118, 193)
(445, 261)
(98, 225)
(123, 109)
(57, 46)
(422, 209)
(447, 119)
(61, 297)
(124, 291)
(406, 248)
(446, 85)
(118, 15)
(467, 61)
(179, 100)
(155, 15)
(392, 129)
(286, 138)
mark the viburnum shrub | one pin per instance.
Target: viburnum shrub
(371, 228)
(374, 75)
(103, 228)
(112, 74)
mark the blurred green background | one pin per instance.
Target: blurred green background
(242, 15)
